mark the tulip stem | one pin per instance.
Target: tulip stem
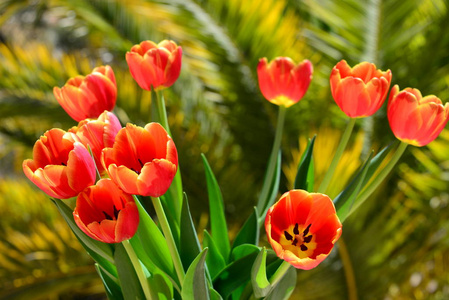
(380, 178)
(340, 149)
(280, 273)
(176, 186)
(169, 237)
(263, 201)
(138, 268)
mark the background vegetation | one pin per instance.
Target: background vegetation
(394, 247)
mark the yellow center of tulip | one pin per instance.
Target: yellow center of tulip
(298, 240)
(283, 100)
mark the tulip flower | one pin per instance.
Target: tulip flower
(359, 91)
(414, 119)
(61, 166)
(282, 82)
(153, 65)
(302, 228)
(143, 161)
(106, 213)
(88, 97)
(98, 134)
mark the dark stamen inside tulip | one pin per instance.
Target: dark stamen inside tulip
(288, 236)
(307, 239)
(108, 217)
(116, 211)
(295, 230)
(141, 164)
(307, 230)
(64, 164)
(134, 170)
(295, 242)
(303, 247)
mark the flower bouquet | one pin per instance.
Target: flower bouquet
(132, 215)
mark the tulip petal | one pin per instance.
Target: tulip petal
(156, 178)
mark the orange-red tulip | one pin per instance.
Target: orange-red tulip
(88, 97)
(154, 65)
(282, 82)
(302, 228)
(61, 166)
(98, 134)
(414, 119)
(106, 213)
(359, 91)
(143, 161)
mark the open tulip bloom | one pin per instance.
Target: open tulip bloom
(132, 215)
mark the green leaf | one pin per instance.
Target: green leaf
(194, 286)
(169, 209)
(127, 275)
(111, 286)
(215, 261)
(160, 286)
(235, 274)
(259, 281)
(249, 234)
(243, 250)
(377, 161)
(190, 246)
(305, 177)
(154, 242)
(344, 201)
(214, 295)
(219, 228)
(285, 287)
(100, 252)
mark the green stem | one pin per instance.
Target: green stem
(138, 268)
(279, 274)
(169, 237)
(382, 175)
(340, 149)
(160, 102)
(176, 186)
(273, 159)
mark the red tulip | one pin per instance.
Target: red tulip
(302, 228)
(61, 166)
(155, 66)
(282, 82)
(416, 120)
(87, 97)
(106, 213)
(143, 161)
(359, 91)
(98, 134)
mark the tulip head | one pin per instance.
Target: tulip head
(88, 97)
(153, 65)
(143, 161)
(282, 82)
(61, 166)
(359, 91)
(302, 228)
(414, 119)
(98, 134)
(106, 213)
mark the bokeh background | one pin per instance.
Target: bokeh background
(396, 246)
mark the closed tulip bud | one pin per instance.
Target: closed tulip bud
(88, 97)
(414, 119)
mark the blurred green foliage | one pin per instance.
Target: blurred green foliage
(394, 247)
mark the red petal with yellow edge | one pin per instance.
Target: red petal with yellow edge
(351, 96)
(125, 178)
(85, 228)
(156, 178)
(321, 209)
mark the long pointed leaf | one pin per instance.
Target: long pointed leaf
(190, 245)
(194, 286)
(127, 275)
(219, 228)
(215, 261)
(305, 178)
(111, 286)
(259, 281)
(249, 234)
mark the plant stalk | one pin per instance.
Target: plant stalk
(169, 237)
(138, 268)
(279, 274)
(273, 159)
(340, 149)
